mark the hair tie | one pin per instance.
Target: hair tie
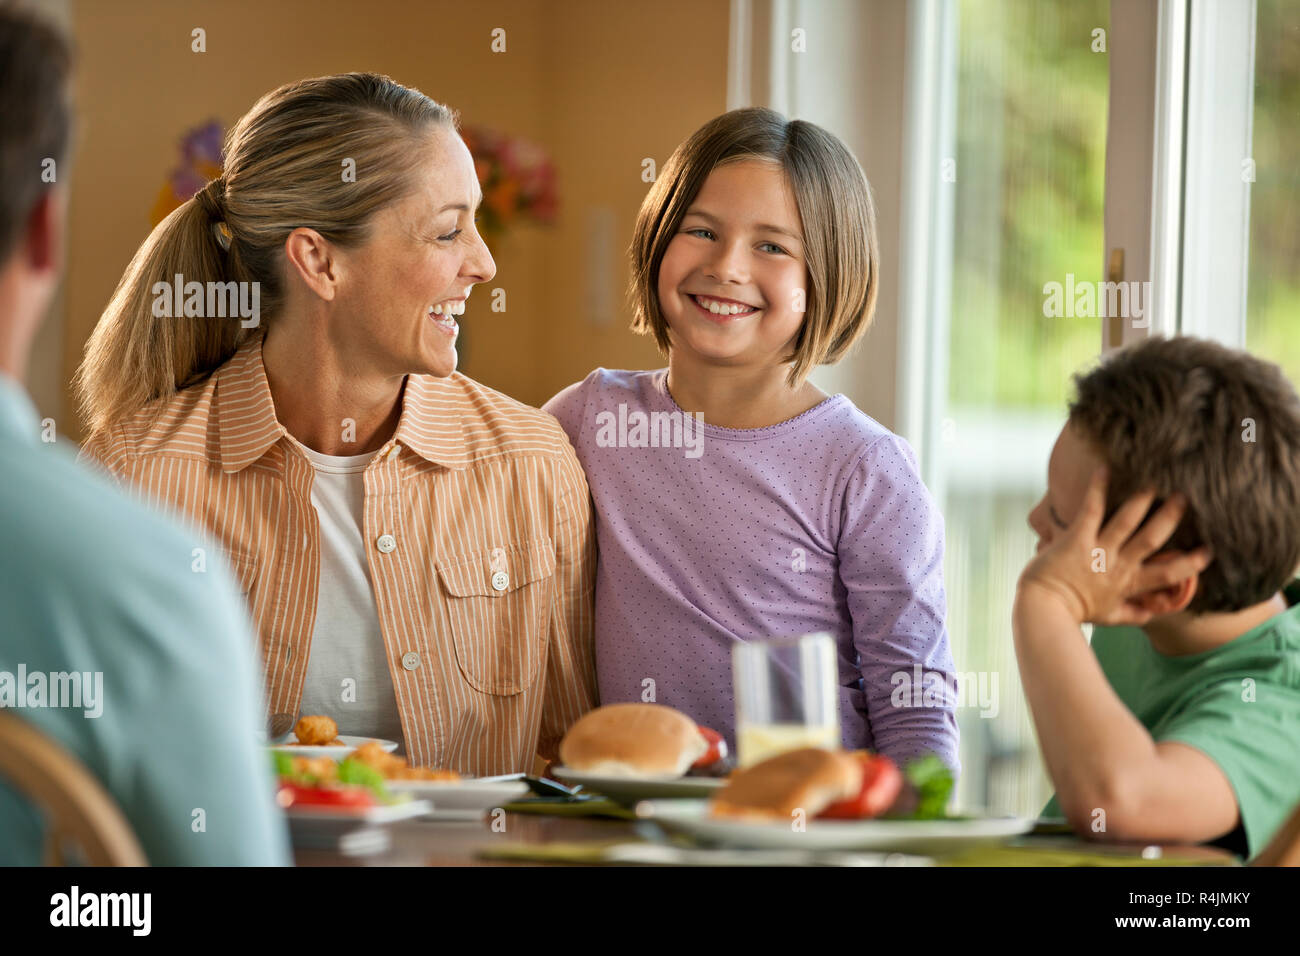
(212, 199)
(223, 234)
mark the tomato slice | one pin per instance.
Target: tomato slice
(341, 797)
(717, 747)
(881, 783)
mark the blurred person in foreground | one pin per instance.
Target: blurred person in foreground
(99, 593)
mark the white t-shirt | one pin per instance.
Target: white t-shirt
(347, 671)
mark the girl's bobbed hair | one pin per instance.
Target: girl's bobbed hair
(839, 226)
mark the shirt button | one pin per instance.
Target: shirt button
(410, 660)
(500, 581)
(392, 454)
(386, 543)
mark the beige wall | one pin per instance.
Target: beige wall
(600, 85)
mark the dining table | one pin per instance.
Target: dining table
(545, 833)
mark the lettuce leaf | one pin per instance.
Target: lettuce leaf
(281, 763)
(356, 772)
(933, 782)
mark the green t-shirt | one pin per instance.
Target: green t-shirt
(1239, 704)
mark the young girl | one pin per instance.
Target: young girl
(755, 260)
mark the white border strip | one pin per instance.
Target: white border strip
(1166, 173)
(740, 33)
(1216, 190)
(926, 243)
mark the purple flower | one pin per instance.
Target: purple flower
(203, 143)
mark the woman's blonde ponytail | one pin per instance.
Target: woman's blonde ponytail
(133, 357)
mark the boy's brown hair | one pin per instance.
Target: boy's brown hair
(1220, 426)
(839, 226)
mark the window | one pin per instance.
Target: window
(1273, 171)
(1026, 181)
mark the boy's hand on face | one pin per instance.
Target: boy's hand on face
(1098, 573)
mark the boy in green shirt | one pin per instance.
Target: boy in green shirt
(1172, 514)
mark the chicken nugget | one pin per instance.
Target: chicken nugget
(316, 730)
(322, 768)
(439, 776)
(373, 755)
(371, 752)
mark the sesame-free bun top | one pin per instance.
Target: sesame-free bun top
(808, 779)
(632, 740)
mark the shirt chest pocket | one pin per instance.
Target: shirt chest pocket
(499, 607)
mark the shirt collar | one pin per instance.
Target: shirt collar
(430, 424)
(245, 412)
(18, 416)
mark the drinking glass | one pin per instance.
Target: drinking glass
(787, 696)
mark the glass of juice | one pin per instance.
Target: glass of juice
(787, 696)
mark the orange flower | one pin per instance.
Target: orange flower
(501, 200)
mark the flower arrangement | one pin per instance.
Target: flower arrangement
(517, 177)
(200, 162)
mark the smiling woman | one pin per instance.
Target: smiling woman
(417, 547)
(310, 152)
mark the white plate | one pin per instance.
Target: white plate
(351, 832)
(363, 816)
(461, 796)
(632, 789)
(923, 837)
(323, 750)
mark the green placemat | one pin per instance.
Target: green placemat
(593, 852)
(585, 852)
(579, 806)
(1060, 856)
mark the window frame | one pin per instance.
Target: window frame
(1200, 110)
(1218, 126)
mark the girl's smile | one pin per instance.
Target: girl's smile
(721, 310)
(731, 280)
